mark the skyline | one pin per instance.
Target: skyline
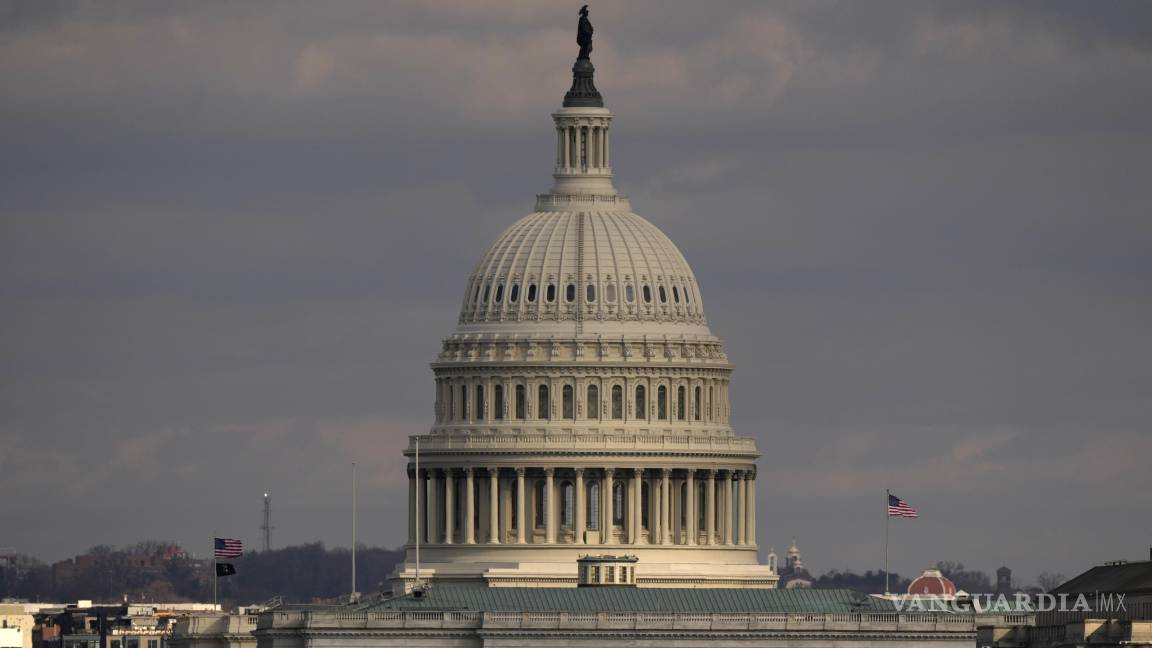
(232, 242)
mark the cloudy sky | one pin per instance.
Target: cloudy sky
(232, 235)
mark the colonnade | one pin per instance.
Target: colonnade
(582, 506)
(580, 147)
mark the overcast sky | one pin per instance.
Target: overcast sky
(233, 234)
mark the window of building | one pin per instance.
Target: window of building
(476, 293)
(675, 294)
(617, 402)
(479, 402)
(570, 293)
(644, 498)
(538, 502)
(610, 293)
(498, 403)
(590, 293)
(629, 294)
(701, 506)
(487, 292)
(542, 402)
(451, 402)
(550, 293)
(531, 293)
(153, 643)
(499, 293)
(521, 403)
(611, 574)
(696, 404)
(593, 505)
(514, 294)
(568, 406)
(681, 403)
(687, 295)
(593, 402)
(463, 402)
(641, 402)
(618, 503)
(647, 294)
(662, 403)
(567, 504)
(663, 295)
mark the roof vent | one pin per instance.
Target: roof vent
(606, 571)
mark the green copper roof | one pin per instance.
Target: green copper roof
(629, 599)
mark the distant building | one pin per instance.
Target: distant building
(1004, 581)
(793, 575)
(15, 626)
(1119, 598)
(932, 583)
(88, 625)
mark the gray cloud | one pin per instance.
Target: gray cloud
(231, 238)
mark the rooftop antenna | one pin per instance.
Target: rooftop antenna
(267, 526)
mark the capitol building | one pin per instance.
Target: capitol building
(582, 402)
(581, 483)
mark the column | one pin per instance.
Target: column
(449, 506)
(741, 521)
(520, 523)
(505, 510)
(728, 508)
(469, 507)
(549, 503)
(690, 513)
(750, 508)
(607, 158)
(666, 506)
(413, 484)
(579, 517)
(634, 509)
(567, 150)
(559, 148)
(493, 505)
(606, 529)
(710, 508)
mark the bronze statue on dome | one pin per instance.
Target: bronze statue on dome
(584, 34)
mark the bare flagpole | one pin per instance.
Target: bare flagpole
(887, 494)
(353, 529)
(215, 574)
(419, 526)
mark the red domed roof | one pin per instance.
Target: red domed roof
(932, 583)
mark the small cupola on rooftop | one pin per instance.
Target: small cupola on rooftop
(606, 571)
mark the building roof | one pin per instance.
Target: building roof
(600, 599)
(1126, 577)
(932, 582)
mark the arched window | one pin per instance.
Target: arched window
(499, 293)
(617, 402)
(696, 404)
(641, 402)
(568, 407)
(687, 295)
(463, 402)
(567, 504)
(644, 522)
(479, 402)
(590, 293)
(542, 402)
(610, 293)
(675, 294)
(618, 504)
(681, 403)
(514, 294)
(521, 403)
(593, 504)
(550, 293)
(531, 293)
(593, 402)
(487, 291)
(498, 404)
(662, 402)
(476, 293)
(663, 295)
(539, 502)
(570, 293)
(647, 294)
(629, 294)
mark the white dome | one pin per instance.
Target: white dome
(583, 271)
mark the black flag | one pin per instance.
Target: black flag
(225, 569)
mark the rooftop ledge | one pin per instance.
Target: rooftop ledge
(566, 202)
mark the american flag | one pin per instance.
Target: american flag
(228, 548)
(899, 508)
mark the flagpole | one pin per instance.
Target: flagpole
(215, 574)
(419, 525)
(887, 495)
(353, 529)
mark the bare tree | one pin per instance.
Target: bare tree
(1049, 581)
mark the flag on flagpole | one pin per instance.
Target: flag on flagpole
(228, 548)
(225, 569)
(899, 508)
